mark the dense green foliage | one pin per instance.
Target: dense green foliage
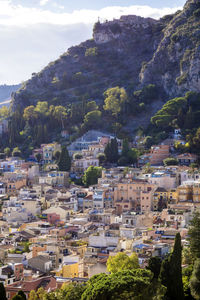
(154, 265)
(194, 235)
(2, 292)
(111, 151)
(171, 272)
(129, 284)
(64, 163)
(122, 261)
(195, 280)
(170, 161)
(91, 175)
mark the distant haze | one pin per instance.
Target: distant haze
(5, 93)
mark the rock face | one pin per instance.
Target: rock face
(109, 31)
(176, 62)
(130, 52)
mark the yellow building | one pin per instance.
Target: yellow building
(185, 193)
(172, 196)
(69, 270)
(196, 192)
(160, 199)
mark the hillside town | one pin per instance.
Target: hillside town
(54, 230)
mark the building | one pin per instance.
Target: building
(187, 159)
(80, 165)
(40, 263)
(133, 195)
(47, 282)
(48, 151)
(160, 199)
(158, 154)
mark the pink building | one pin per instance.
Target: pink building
(53, 218)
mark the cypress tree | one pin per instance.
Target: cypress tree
(64, 163)
(114, 150)
(125, 147)
(2, 292)
(107, 152)
(171, 272)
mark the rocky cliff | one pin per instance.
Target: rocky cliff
(130, 52)
(175, 65)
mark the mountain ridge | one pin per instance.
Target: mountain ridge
(152, 60)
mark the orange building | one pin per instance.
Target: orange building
(133, 195)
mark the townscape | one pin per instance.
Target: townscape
(100, 150)
(54, 231)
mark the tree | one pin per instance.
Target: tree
(7, 151)
(42, 107)
(128, 284)
(60, 114)
(169, 112)
(17, 297)
(2, 292)
(91, 106)
(26, 247)
(22, 294)
(148, 142)
(16, 152)
(154, 265)
(194, 235)
(187, 273)
(92, 119)
(101, 157)
(38, 157)
(4, 112)
(64, 163)
(30, 115)
(195, 280)
(91, 175)
(111, 151)
(171, 272)
(170, 161)
(114, 150)
(125, 147)
(72, 291)
(56, 155)
(122, 261)
(115, 100)
(132, 156)
(189, 119)
(196, 140)
(78, 155)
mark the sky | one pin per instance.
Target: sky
(36, 32)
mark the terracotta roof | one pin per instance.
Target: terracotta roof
(47, 282)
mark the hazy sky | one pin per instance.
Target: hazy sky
(35, 32)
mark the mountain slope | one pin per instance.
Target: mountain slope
(113, 57)
(131, 52)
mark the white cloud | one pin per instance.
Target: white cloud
(43, 2)
(18, 15)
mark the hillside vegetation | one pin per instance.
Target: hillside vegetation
(114, 82)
